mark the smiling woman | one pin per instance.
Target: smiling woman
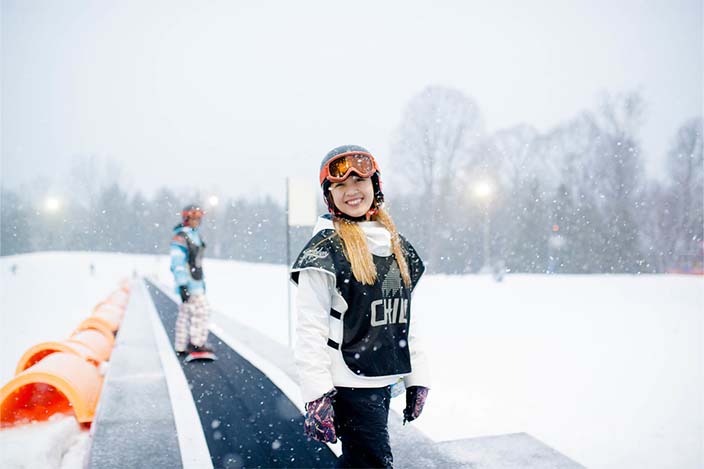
(356, 336)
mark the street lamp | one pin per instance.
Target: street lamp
(213, 200)
(52, 204)
(484, 190)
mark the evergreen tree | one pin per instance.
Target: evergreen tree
(15, 235)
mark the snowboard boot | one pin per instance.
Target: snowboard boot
(203, 348)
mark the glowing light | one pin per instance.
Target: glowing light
(52, 204)
(213, 200)
(483, 189)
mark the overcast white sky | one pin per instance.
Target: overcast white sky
(233, 96)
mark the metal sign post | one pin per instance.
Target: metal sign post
(300, 211)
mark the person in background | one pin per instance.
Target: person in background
(356, 336)
(187, 249)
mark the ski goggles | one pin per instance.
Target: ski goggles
(339, 168)
(192, 214)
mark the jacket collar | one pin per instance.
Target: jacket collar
(378, 237)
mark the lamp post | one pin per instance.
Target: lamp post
(484, 190)
(555, 243)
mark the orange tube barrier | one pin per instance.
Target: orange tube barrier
(36, 353)
(110, 318)
(95, 341)
(109, 307)
(97, 324)
(119, 298)
(59, 383)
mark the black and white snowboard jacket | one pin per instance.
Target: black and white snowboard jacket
(349, 334)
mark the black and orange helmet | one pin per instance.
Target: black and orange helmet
(340, 163)
(191, 211)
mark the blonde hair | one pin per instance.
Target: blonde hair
(354, 243)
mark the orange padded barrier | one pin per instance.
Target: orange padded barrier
(97, 324)
(109, 307)
(39, 351)
(59, 383)
(109, 317)
(62, 377)
(95, 341)
(119, 298)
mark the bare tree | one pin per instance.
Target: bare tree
(506, 161)
(510, 153)
(438, 128)
(619, 178)
(655, 225)
(685, 166)
(572, 150)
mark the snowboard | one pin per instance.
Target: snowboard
(200, 357)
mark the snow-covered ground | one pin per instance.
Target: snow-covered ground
(608, 370)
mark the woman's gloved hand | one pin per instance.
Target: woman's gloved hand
(185, 294)
(319, 423)
(415, 400)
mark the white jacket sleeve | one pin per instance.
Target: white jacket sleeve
(313, 302)
(420, 372)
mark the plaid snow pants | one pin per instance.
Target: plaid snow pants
(192, 322)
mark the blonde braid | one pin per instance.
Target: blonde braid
(354, 243)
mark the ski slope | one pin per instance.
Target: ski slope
(605, 369)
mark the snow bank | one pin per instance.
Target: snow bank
(59, 443)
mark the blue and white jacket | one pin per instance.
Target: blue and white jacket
(179, 258)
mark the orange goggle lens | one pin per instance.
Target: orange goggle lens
(197, 214)
(340, 168)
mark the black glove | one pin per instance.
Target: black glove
(415, 400)
(185, 294)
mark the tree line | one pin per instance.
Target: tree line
(574, 199)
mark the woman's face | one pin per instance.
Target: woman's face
(353, 196)
(194, 222)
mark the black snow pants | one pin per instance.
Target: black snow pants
(361, 423)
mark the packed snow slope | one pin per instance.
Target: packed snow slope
(607, 369)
